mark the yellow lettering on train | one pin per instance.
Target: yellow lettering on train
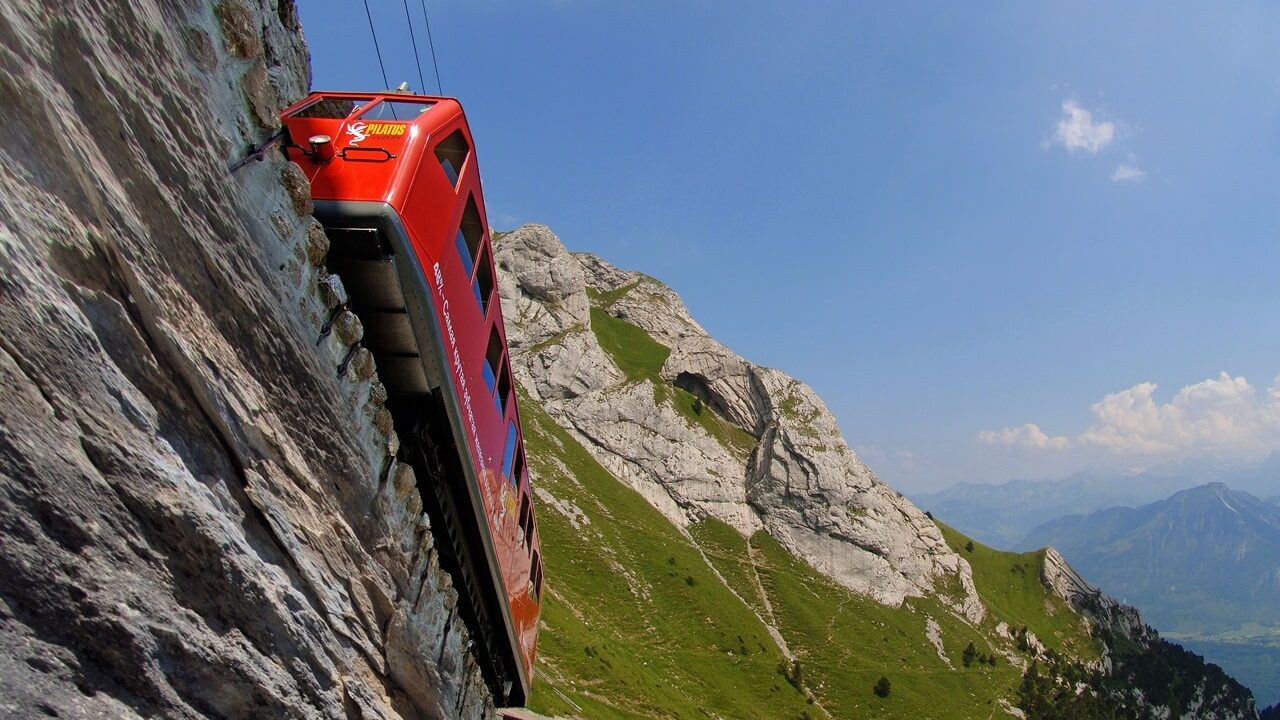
(386, 129)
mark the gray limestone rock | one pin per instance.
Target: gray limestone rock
(1098, 609)
(199, 517)
(793, 475)
(1104, 616)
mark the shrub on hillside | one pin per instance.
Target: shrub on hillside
(882, 687)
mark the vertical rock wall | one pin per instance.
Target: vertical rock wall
(199, 511)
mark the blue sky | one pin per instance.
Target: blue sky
(1012, 240)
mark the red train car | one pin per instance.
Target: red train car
(396, 185)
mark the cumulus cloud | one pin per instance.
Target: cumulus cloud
(1077, 130)
(1224, 415)
(1127, 173)
(1028, 435)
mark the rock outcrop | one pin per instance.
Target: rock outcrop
(1099, 610)
(1141, 675)
(200, 515)
(780, 463)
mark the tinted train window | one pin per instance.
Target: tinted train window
(537, 576)
(519, 470)
(331, 108)
(464, 252)
(397, 110)
(492, 359)
(526, 528)
(452, 152)
(504, 387)
(509, 455)
(470, 233)
(482, 286)
(504, 390)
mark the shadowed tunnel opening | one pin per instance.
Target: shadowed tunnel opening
(697, 386)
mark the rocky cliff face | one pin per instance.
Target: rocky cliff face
(1101, 611)
(1204, 561)
(760, 450)
(199, 510)
(1144, 678)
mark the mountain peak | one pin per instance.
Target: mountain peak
(617, 359)
(1205, 547)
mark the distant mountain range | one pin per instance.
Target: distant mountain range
(1203, 566)
(1002, 515)
(1205, 561)
(696, 576)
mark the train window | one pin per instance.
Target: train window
(492, 359)
(504, 390)
(526, 532)
(519, 470)
(397, 110)
(482, 286)
(470, 234)
(504, 386)
(509, 455)
(452, 152)
(331, 108)
(464, 252)
(537, 576)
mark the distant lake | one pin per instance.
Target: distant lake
(1255, 666)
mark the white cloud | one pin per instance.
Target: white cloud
(1077, 129)
(1128, 173)
(1224, 416)
(1028, 435)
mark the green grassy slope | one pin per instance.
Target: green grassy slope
(640, 358)
(1010, 587)
(636, 354)
(642, 620)
(636, 624)
(845, 642)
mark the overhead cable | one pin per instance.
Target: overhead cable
(376, 49)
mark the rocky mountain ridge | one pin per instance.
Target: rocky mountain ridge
(617, 362)
(789, 471)
(1202, 561)
(1003, 513)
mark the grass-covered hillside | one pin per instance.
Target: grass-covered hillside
(643, 619)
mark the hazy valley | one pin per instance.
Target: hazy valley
(1202, 563)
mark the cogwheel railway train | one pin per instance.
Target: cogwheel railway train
(397, 188)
